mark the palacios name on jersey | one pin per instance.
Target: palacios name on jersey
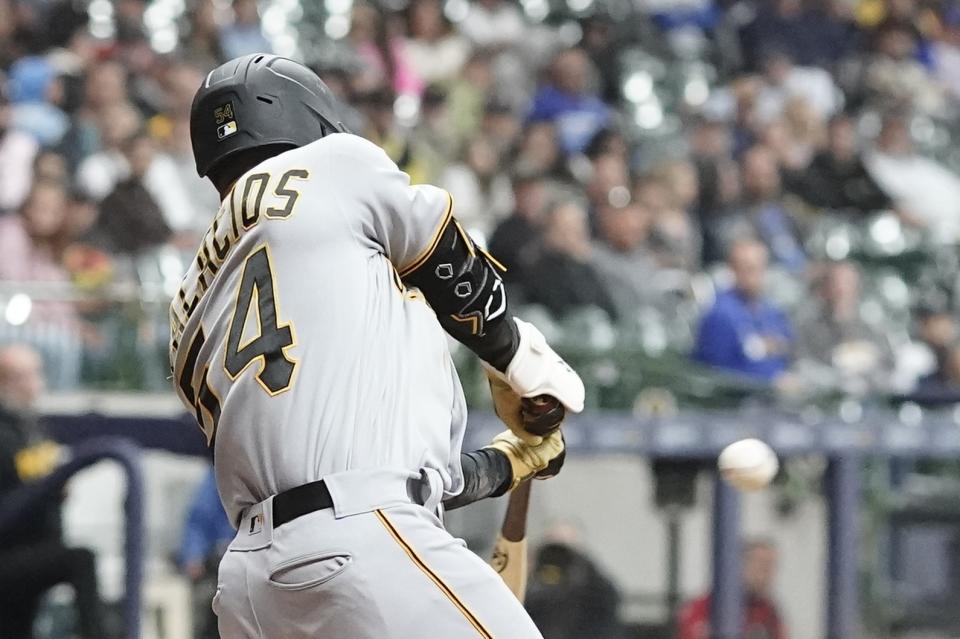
(244, 206)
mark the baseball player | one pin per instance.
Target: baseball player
(308, 338)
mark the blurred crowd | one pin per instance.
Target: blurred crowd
(765, 187)
(35, 557)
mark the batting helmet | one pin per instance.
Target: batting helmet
(259, 100)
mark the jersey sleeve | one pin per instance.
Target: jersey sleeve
(402, 220)
(415, 228)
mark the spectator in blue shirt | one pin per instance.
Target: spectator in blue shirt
(207, 531)
(35, 91)
(570, 102)
(743, 333)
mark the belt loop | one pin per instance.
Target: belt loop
(255, 530)
(431, 488)
(364, 490)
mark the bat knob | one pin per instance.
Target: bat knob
(542, 414)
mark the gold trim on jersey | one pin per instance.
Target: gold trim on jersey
(262, 358)
(473, 320)
(254, 303)
(434, 577)
(263, 179)
(292, 194)
(212, 254)
(425, 254)
(220, 252)
(205, 380)
(466, 239)
(233, 212)
(493, 260)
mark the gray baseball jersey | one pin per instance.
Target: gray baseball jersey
(293, 339)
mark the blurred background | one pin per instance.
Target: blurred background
(732, 217)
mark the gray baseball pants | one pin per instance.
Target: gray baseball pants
(377, 565)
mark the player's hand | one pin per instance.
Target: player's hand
(509, 408)
(536, 390)
(553, 468)
(527, 460)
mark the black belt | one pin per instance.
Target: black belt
(300, 501)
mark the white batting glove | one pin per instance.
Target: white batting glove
(536, 369)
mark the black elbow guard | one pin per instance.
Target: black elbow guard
(464, 287)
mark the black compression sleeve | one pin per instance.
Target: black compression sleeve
(486, 473)
(463, 285)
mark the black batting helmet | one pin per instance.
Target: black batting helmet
(259, 100)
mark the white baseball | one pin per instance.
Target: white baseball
(748, 464)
